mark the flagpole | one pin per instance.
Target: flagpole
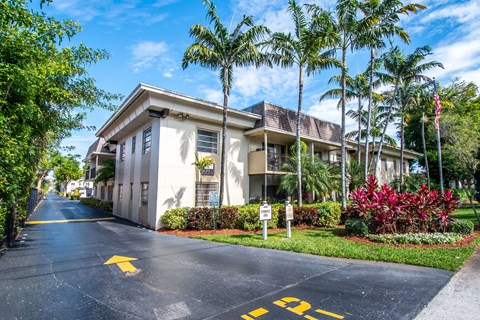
(439, 147)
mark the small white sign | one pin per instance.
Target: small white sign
(265, 212)
(289, 212)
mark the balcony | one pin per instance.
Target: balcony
(261, 163)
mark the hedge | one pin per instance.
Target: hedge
(99, 204)
(246, 217)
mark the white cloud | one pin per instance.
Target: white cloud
(146, 54)
(327, 110)
(459, 12)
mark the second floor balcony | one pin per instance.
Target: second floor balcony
(263, 162)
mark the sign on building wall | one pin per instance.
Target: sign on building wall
(208, 171)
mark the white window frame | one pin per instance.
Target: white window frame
(213, 149)
(144, 193)
(147, 144)
(384, 164)
(122, 151)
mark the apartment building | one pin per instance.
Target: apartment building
(157, 134)
(96, 155)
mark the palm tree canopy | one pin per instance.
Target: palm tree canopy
(217, 49)
(304, 47)
(106, 172)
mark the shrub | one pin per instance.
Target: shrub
(356, 227)
(228, 217)
(200, 218)
(328, 214)
(416, 238)
(249, 217)
(460, 226)
(175, 219)
(99, 204)
(387, 211)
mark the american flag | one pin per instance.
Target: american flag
(438, 106)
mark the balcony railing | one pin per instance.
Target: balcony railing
(271, 164)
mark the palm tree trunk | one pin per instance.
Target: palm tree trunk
(369, 111)
(344, 93)
(402, 148)
(390, 111)
(359, 140)
(224, 145)
(299, 164)
(425, 149)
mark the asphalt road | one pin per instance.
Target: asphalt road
(57, 271)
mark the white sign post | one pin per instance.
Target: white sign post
(265, 215)
(288, 217)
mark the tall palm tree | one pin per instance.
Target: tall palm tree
(304, 49)
(399, 70)
(356, 88)
(216, 48)
(383, 17)
(377, 119)
(349, 27)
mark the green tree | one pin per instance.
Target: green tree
(106, 171)
(304, 50)
(217, 49)
(401, 70)
(45, 90)
(201, 165)
(383, 17)
(68, 169)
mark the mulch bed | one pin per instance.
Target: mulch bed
(465, 242)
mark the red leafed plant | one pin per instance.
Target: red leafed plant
(387, 211)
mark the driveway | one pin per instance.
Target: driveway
(57, 270)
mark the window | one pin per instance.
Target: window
(131, 191)
(207, 141)
(134, 143)
(102, 192)
(144, 194)
(384, 164)
(147, 140)
(202, 193)
(395, 166)
(110, 193)
(120, 192)
(122, 152)
(404, 167)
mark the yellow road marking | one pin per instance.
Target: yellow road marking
(331, 314)
(258, 312)
(244, 316)
(67, 221)
(123, 263)
(310, 317)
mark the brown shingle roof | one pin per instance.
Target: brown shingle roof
(276, 117)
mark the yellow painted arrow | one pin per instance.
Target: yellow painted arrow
(123, 263)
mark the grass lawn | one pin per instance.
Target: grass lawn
(466, 213)
(325, 243)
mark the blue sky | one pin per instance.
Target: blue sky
(146, 40)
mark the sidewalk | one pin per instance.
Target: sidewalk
(460, 298)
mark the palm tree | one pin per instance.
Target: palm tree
(217, 49)
(399, 70)
(377, 120)
(318, 177)
(201, 165)
(383, 17)
(357, 88)
(106, 172)
(304, 49)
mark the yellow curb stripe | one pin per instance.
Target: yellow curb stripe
(331, 314)
(67, 221)
(258, 312)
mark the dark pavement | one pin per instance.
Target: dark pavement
(57, 271)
